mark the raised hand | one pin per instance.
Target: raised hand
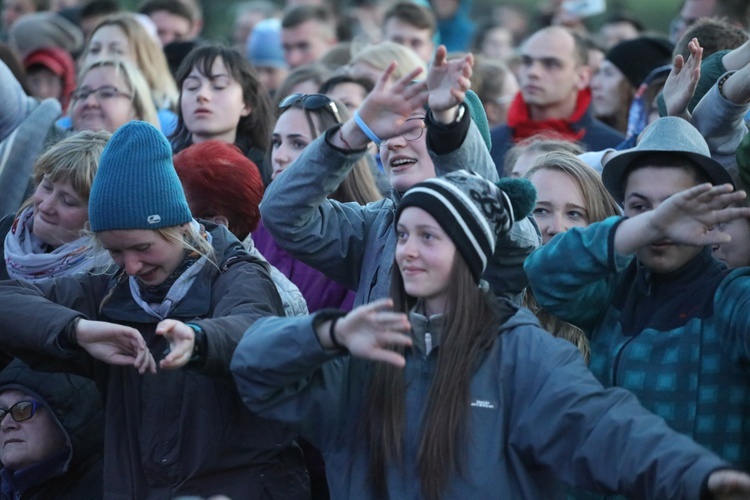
(369, 330)
(181, 342)
(682, 81)
(729, 485)
(688, 217)
(115, 344)
(385, 110)
(448, 80)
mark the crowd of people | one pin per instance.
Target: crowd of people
(385, 251)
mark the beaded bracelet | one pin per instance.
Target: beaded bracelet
(366, 130)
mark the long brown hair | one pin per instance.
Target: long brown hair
(471, 322)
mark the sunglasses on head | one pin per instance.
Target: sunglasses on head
(21, 411)
(312, 102)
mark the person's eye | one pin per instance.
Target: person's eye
(220, 83)
(527, 61)
(275, 143)
(70, 202)
(540, 212)
(191, 84)
(299, 144)
(576, 215)
(94, 50)
(428, 236)
(142, 248)
(637, 207)
(401, 235)
(107, 92)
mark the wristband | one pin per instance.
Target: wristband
(199, 345)
(366, 130)
(332, 334)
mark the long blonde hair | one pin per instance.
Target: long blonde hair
(599, 205)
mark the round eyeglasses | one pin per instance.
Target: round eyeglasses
(416, 132)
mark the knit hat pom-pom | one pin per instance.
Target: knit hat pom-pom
(521, 193)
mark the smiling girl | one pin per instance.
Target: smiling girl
(45, 238)
(182, 297)
(445, 391)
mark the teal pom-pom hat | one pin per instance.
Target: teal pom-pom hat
(136, 186)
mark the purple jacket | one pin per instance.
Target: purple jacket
(319, 291)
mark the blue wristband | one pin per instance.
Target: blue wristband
(366, 130)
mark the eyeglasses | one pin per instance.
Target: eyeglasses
(416, 132)
(101, 93)
(313, 102)
(21, 411)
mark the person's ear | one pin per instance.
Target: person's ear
(584, 76)
(219, 219)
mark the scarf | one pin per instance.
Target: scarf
(159, 300)
(523, 126)
(29, 258)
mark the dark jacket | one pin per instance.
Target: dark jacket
(597, 136)
(180, 432)
(76, 405)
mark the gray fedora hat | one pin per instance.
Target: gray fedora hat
(666, 135)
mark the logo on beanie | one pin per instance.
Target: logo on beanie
(153, 219)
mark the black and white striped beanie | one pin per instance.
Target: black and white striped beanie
(473, 211)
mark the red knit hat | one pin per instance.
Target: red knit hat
(59, 62)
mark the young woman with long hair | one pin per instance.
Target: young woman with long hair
(446, 391)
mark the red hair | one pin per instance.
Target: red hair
(219, 180)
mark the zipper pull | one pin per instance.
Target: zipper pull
(427, 343)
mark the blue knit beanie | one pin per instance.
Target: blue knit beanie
(264, 47)
(136, 186)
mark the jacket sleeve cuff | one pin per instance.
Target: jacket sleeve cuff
(446, 138)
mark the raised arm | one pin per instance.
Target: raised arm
(689, 217)
(682, 81)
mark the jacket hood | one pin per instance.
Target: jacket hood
(74, 401)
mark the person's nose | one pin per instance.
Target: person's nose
(203, 93)
(294, 58)
(132, 264)
(395, 142)
(91, 100)
(8, 422)
(47, 205)
(557, 226)
(408, 249)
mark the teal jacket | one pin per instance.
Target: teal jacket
(680, 341)
(537, 417)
